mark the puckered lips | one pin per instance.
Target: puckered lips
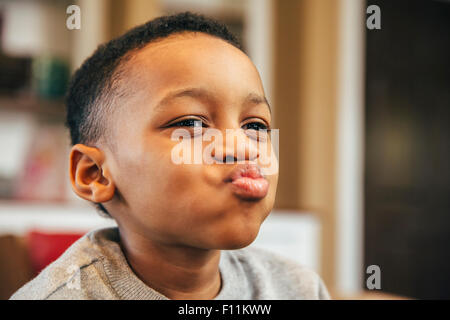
(247, 182)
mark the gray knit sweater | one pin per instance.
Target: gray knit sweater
(95, 267)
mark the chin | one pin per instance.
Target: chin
(236, 245)
(237, 239)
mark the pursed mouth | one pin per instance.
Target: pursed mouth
(247, 182)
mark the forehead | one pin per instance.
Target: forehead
(193, 60)
(188, 45)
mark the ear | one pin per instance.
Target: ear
(89, 176)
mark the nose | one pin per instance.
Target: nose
(236, 147)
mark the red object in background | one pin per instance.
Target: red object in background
(44, 248)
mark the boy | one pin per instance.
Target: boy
(124, 105)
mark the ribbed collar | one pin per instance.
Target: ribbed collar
(128, 286)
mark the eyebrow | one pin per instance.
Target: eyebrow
(258, 99)
(253, 97)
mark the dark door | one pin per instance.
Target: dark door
(407, 211)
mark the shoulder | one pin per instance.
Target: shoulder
(280, 275)
(63, 279)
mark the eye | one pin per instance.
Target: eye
(255, 126)
(189, 123)
(257, 131)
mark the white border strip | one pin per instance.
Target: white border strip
(258, 34)
(350, 147)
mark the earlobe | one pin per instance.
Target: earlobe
(89, 176)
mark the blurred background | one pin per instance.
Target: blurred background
(363, 117)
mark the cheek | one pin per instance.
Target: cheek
(273, 179)
(151, 180)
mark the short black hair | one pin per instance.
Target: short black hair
(95, 85)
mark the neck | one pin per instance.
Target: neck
(178, 272)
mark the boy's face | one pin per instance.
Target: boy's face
(187, 204)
